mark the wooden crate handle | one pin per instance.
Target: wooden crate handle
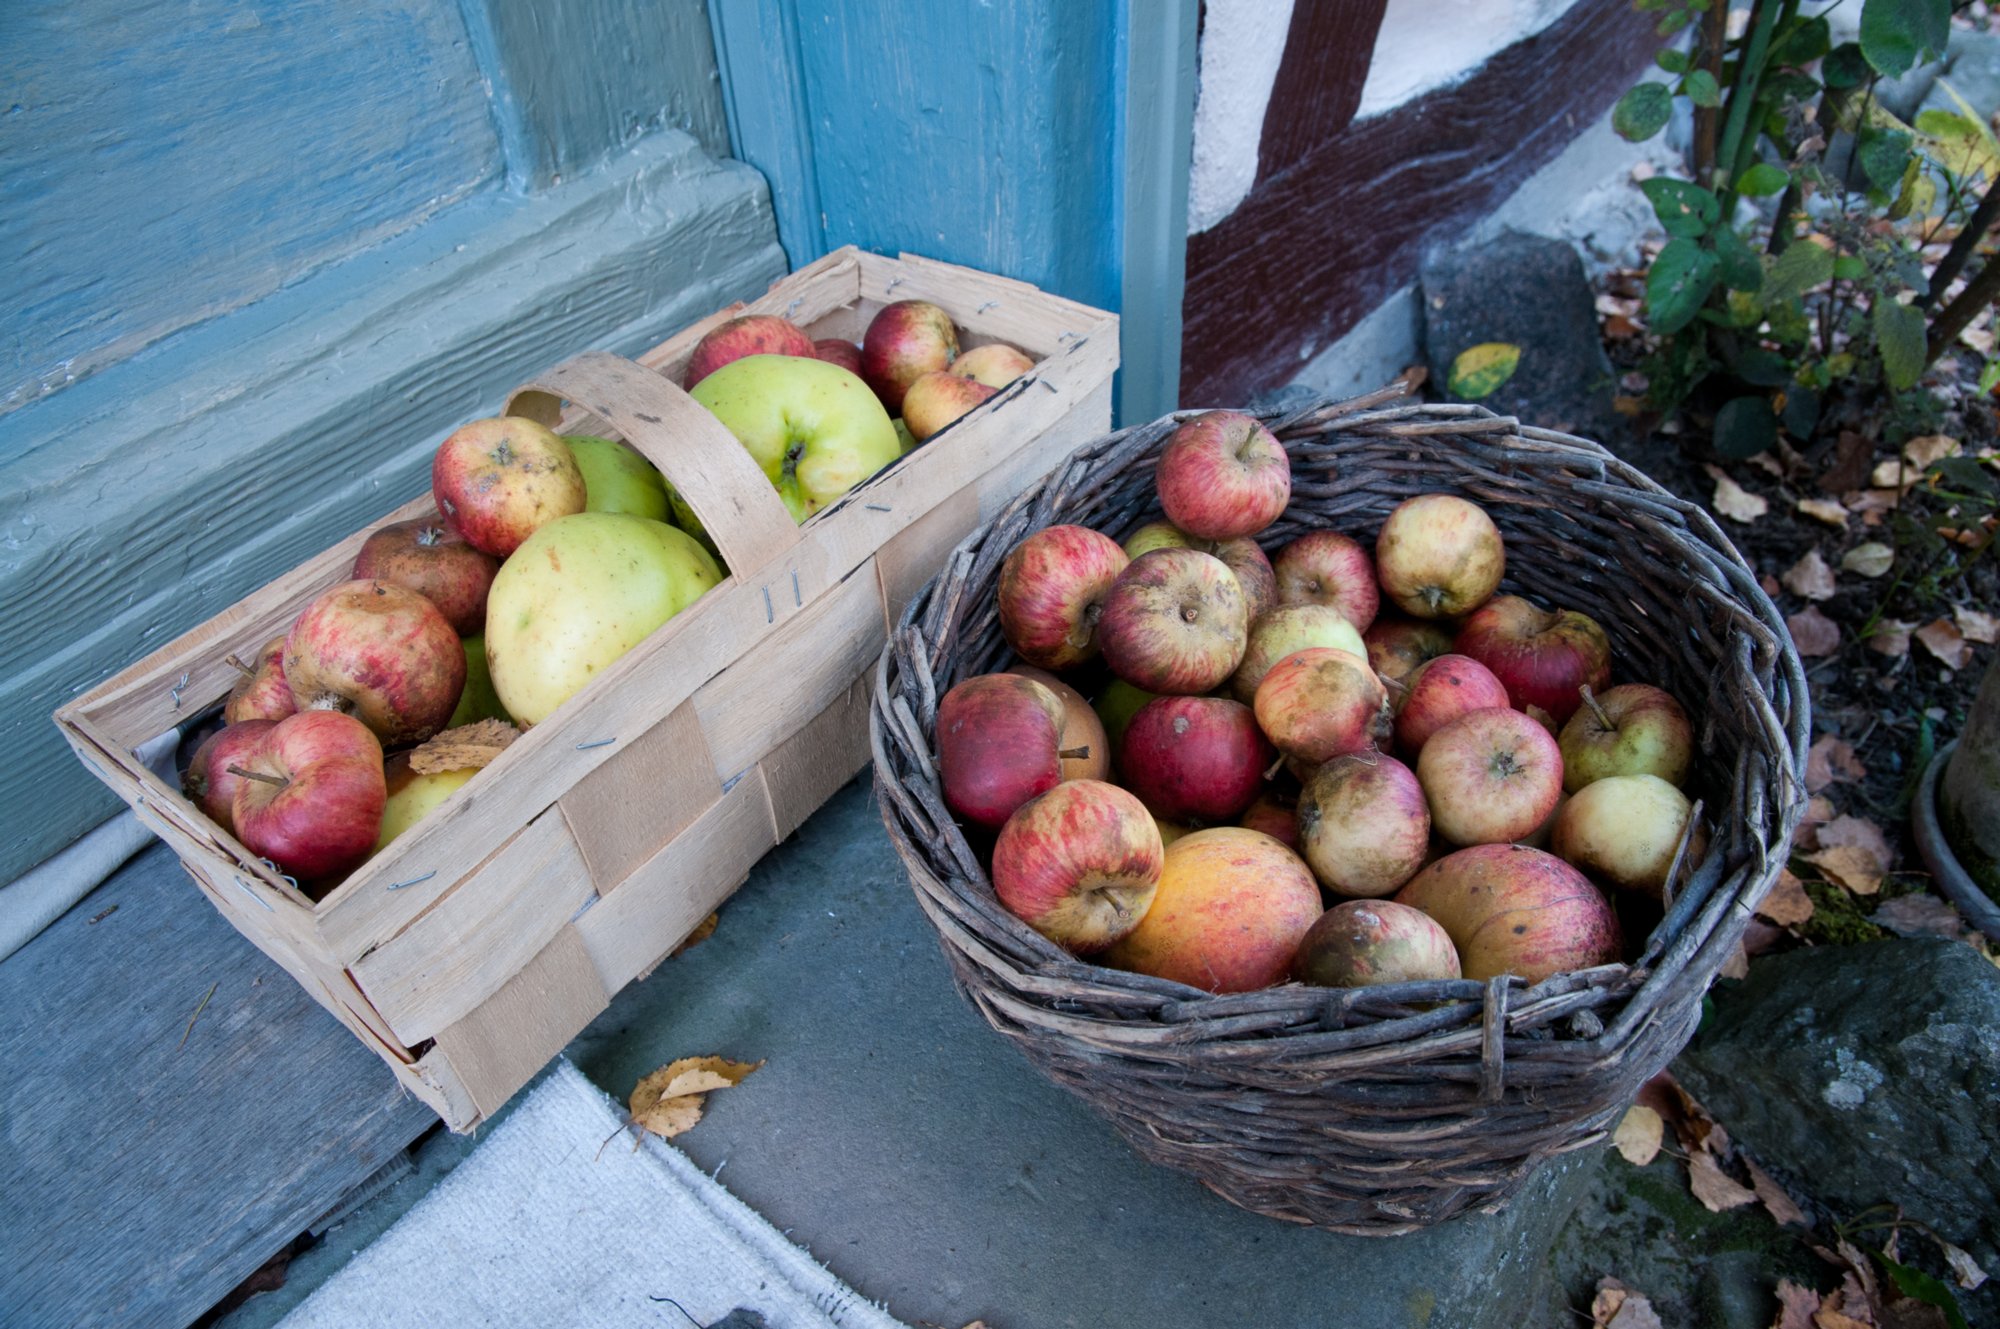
(695, 451)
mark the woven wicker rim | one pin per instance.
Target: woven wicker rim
(1383, 1109)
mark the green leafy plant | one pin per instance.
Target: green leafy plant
(1825, 296)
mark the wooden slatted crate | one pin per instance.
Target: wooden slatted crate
(482, 940)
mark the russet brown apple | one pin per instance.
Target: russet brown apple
(311, 795)
(1079, 864)
(1328, 568)
(1364, 827)
(905, 341)
(1319, 703)
(381, 652)
(1227, 916)
(1223, 475)
(999, 740)
(1490, 776)
(1364, 943)
(1287, 630)
(1513, 910)
(1052, 591)
(1542, 655)
(428, 557)
(1397, 645)
(497, 481)
(1174, 621)
(752, 334)
(1197, 759)
(1439, 556)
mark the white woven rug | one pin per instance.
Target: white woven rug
(539, 1226)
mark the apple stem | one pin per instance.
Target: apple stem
(277, 780)
(239, 666)
(1271, 771)
(1590, 700)
(1075, 754)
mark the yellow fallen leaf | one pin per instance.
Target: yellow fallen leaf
(670, 1100)
(1894, 474)
(1735, 502)
(1850, 866)
(669, 1116)
(1716, 1189)
(1943, 639)
(1862, 834)
(470, 747)
(1982, 628)
(1825, 510)
(1810, 578)
(1639, 1134)
(1921, 452)
(1871, 558)
(1787, 905)
(702, 932)
(1777, 1200)
(1478, 371)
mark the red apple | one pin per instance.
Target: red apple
(938, 400)
(1633, 729)
(208, 781)
(752, 334)
(839, 351)
(1174, 621)
(1362, 943)
(999, 740)
(1440, 691)
(381, 652)
(262, 693)
(1287, 630)
(1327, 568)
(311, 795)
(1228, 915)
(1223, 475)
(1542, 655)
(1241, 556)
(1195, 758)
(496, 481)
(1514, 910)
(995, 364)
(1438, 556)
(1276, 814)
(1490, 776)
(905, 341)
(1116, 704)
(1397, 645)
(1086, 748)
(1052, 591)
(1364, 828)
(1079, 864)
(1321, 702)
(436, 562)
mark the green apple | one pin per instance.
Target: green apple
(580, 592)
(412, 797)
(905, 440)
(685, 519)
(815, 429)
(618, 478)
(478, 701)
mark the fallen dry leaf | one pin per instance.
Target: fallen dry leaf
(1738, 964)
(1798, 1306)
(1735, 502)
(1813, 632)
(1768, 584)
(702, 932)
(467, 748)
(1824, 510)
(1871, 558)
(1849, 866)
(1943, 639)
(1891, 637)
(1618, 1307)
(1982, 628)
(1717, 1190)
(1810, 578)
(1894, 474)
(1777, 1200)
(1831, 760)
(1862, 834)
(1921, 452)
(1964, 1269)
(1919, 916)
(670, 1100)
(1760, 938)
(1787, 905)
(1639, 1134)
(1828, 1317)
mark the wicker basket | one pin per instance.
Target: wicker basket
(1378, 1111)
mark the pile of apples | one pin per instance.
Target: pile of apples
(547, 558)
(1307, 788)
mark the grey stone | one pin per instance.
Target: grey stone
(1973, 73)
(1531, 291)
(1871, 1073)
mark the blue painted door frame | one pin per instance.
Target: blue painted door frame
(1046, 140)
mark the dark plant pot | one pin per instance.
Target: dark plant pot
(1952, 879)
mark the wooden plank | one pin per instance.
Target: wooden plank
(465, 948)
(1328, 49)
(499, 1047)
(622, 812)
(777, 691)
(627, 932)
(919, 552)
(998, 308)
(1329, 239)
(155, 1157)
(804, 771)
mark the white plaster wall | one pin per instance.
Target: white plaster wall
(1429, 44)
(1242, 43)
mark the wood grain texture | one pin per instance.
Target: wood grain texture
(147, 1175)
(499, 1047)
(625, 810)
(1319, 81)
(1316, 248)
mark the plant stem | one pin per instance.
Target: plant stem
(1980, 292)
(1713, 37)
(1961, 251)
(1742, 97)
(277, 780)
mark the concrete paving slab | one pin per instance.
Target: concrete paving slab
(915, 1152)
